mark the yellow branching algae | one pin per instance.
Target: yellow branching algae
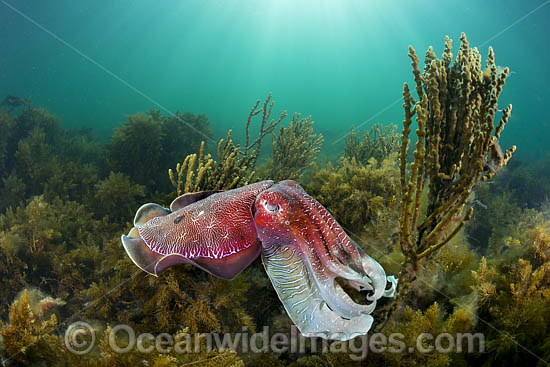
(294, 149)
(372, 187)
(62, 211)
(201, 172)
(457, 147)
(27, 337)
(235, 165)
(378, 143)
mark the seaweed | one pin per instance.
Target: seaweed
(514, 293)
(6, 126)
(358, 195)
(294, 149)
(70, 181)
(66, 197)
(36, 153)
(379, 142)
(146, 145)
(27, 337)
(232, 169)
(253, 147)
(433, 321)
(13, 192)
(12, 102)
(457, 148)
(116, 197)
(52, 245)
(235, 165)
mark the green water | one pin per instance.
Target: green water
(66, 198)
(343, 62)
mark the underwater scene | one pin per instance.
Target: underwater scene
(274, 183)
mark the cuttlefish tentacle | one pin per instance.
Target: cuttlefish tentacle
(286, 217)
(339, 253)
(336, 251)
(302, 246)
(297, 290)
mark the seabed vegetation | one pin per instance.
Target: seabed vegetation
(469, 240)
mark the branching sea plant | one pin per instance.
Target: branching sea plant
(235, 166)
(294, 149)
(378, 143)
(200, 172)
(267, 127)
(457, 147)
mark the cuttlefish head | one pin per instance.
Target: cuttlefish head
(304, 250)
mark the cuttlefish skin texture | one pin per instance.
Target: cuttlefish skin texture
(303, 250)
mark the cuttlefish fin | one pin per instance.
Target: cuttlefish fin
(230, 266)
(153, 263)
(146, 259)
(227, 267)
(149, 211)
(186, 199)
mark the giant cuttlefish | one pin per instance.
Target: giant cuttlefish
(302, 246)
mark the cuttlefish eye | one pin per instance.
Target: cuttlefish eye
(271, 207)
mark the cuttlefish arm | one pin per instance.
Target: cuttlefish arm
(304, 304)
(214, 231)
(304, 250)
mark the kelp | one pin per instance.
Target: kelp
(435, 322)
(66, 241)
(13, 192)
(503, 296)
(51, 245)
(11, 102)
(6, 126)
(116, 197)
(71, 181)
(267, 125)
(36, 152)
(29, 338)
(500, 206)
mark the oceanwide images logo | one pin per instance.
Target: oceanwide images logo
(80, 338)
